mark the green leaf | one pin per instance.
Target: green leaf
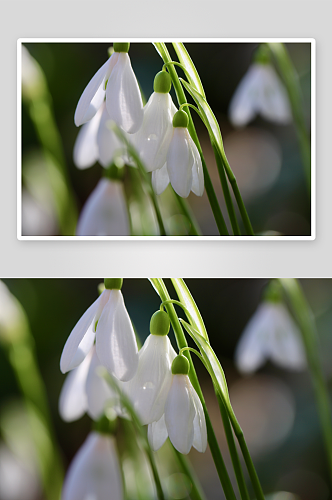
(185, 59)
(187, 300)
(212, 363)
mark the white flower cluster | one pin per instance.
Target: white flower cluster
(164, 145)
(154, 379)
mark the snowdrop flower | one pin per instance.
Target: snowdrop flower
(108, 322)
(149, 388)
(117, 81)
(260, 92)
(94, 473)
(270, 334)
(184, 420)
(153, 138)
(84, 391)
(105, 211)
(183, 166)
(96, 141)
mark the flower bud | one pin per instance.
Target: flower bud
(160, 323)
(121, 47)
(113, 283)
(180, 119)
(162, 82)
(180, 365)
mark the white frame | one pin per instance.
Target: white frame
(312, 236)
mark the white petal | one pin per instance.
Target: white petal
(109, 145)
(97, 390)
(179, 414)
(73, 400)
(94, 473)
(274, 104)
(85, 149)
(80, 339)
(94, 93)
(160, 180)
(286, 347)
(179, 162)
(123, 97)
(115, 339)
(149, 388)
(200, 433)
(157, 433)
(105, 212)
(243, 106)
(197, 186)
(153, 138)
(252, 349)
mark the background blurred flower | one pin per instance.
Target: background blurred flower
(260, 92)
(270, 334)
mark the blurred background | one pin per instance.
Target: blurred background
(264, 157)
(275, 407)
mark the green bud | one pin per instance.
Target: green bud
(113, 283)
(180, 365)
(121, 47)
(105, 425)
(262, 55)
(162, 82)
(180, 119)
(160, 323)
(115, 171)
(273, 292)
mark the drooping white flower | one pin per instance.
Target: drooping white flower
(184, 420)
(84, 391)
(117, 81)
(270, 334)
(96, 141)
(94, 473)
(183, 162)
(108, 322)
(105, 212)
(260, 92)
(149, 388)
(153, 138)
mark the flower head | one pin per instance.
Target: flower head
(270, 334)
(115, 80)
(149, 388)
(153, 138)
(260, 92)
(96, 141)
(108, 322)
(105, 212)
(183, 166)
(95, 471)
(184, 420)
(84, 391)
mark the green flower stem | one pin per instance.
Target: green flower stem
(307, 326)
(194, 227)
(162, 49)
(237, 194)
(233, 451)
(40, 108)
(20, 348)
(227, 196)
(161, 289)
(293, 88)
(196, 492)
(144, 175)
